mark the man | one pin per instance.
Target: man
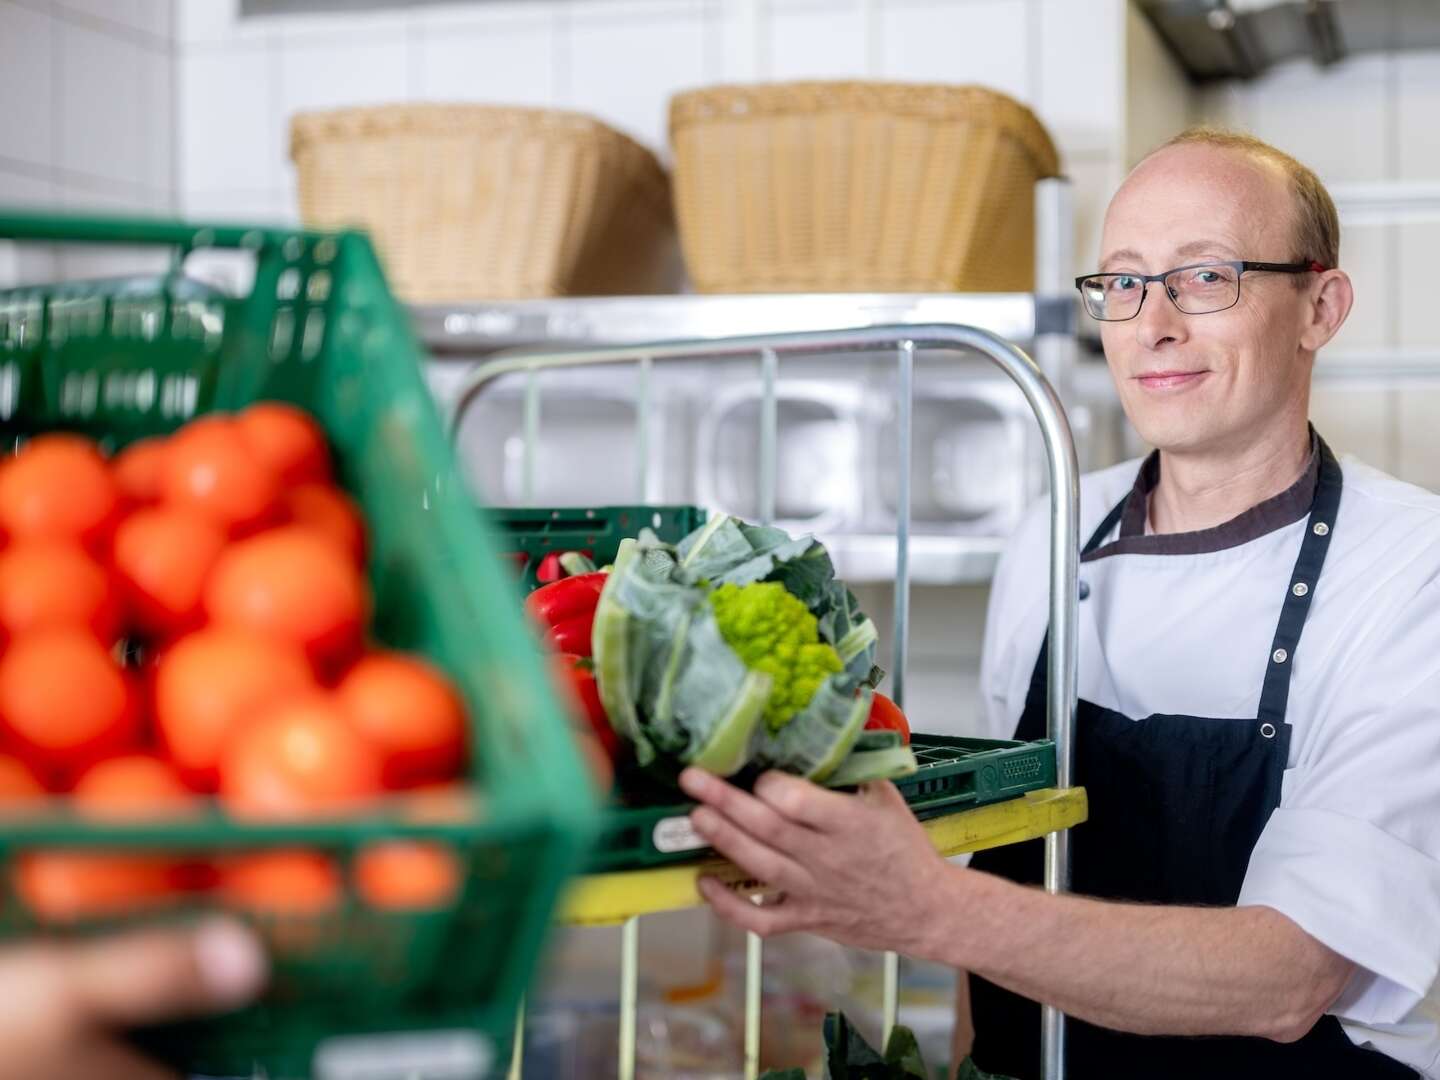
(1262, 859)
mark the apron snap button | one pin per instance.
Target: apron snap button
(1280, 656)
(1084, 590)
(1300, 588)
(1268, 730)
(1321, 528)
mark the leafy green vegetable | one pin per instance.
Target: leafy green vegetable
(696, 644)
(849, 1057)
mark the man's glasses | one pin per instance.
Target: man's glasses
(1195, 290)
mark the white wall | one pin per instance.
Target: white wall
(1370, 127)
(621, 60)
(86, 114)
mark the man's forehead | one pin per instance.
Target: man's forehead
(1198, 200)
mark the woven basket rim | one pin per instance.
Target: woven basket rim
(313, 127)
(940, 101)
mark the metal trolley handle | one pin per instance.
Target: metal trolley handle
(905, 340)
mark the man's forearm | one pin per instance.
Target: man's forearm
(1145, 969)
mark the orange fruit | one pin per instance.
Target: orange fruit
(299, 758)
(65, 698)
(44, 585)
(211, 682)
(139, 471)
(58, 487)
(407, 875)
(329, 511)
(63, 886)
(293, 585)
(131, 787)
(164, 556)
(210, 468)
(288, 881)
(19, 787)
(287, 440)
(410, 711)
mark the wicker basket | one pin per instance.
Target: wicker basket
(855, 186)
(471, 202)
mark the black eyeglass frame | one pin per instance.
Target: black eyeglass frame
(1241, 266)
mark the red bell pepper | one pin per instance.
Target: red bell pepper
(576, 675)
(561, 564)
(565, 609)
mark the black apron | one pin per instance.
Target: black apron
(1176, 806)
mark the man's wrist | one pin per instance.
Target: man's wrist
(950, 919)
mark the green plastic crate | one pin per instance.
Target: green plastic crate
(530, 534)
(118, 360)
(954, 774)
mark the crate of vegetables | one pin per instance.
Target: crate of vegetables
(260, 655)
(735, 647)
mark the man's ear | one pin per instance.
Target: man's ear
(1330, 303)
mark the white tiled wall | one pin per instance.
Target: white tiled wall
(86, 117)
(622, 60)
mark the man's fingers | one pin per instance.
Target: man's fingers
(154, 975)
(753, 855)
(803, 801)
(885, 795)
(747, 811)
(743, 912)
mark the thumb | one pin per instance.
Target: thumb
(152, 975)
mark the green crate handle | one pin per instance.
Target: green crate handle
(147, 231)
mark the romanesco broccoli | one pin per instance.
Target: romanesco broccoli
(774, 632)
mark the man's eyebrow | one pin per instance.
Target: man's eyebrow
(1129, 255)
(1205, 247)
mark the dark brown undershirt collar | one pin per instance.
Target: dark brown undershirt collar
(1274, 513)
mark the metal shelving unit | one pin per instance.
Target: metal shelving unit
(460, 336)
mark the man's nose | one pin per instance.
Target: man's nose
(1160, 322)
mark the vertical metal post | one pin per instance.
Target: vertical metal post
(769, 423)
(1055, 354)
(767, 467)
(642, 430)
(530, 437)
(629, 996)
(754, 986)
(517, 1052)
(904, 417)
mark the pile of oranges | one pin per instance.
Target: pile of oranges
(187, 619)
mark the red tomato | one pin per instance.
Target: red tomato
(64, 886)
(209, 468)
(407, 875)
(133, 787)
(412, 714)
(65, 699)
(300, 758)
(329, 511)
(293, 585)
(289, 881)
(46, 585)
(885, 715)
(139, 471)
(287, 440)
(164, 557)
(58, 487)
(210, 683)
(20, 789)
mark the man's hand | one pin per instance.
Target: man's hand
(61, 1005)
(858, 869)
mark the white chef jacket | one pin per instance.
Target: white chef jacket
(1352, 853)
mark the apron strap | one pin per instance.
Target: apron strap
(1301, 590)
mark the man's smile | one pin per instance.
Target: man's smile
(1161, 381)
